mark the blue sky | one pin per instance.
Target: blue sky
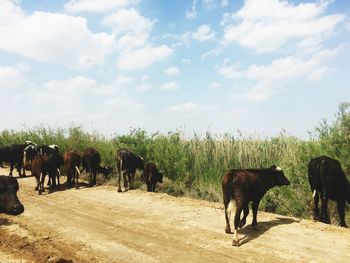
(258, 66)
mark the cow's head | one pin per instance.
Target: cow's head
(9, 202)
(279, 177)
(107, 170)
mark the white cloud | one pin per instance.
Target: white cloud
(215, 85)
(143, 57)
(52, 37)
(271, 24)
(192, 108)
(203, 33)
(97, 5)
(143, 87)
(210, 4)
(186, 60)
(270, 79)
(192, 13)
(169, 86)
(172, 71)
(10, 77)
(128, 20)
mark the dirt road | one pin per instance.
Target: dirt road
(100, 225)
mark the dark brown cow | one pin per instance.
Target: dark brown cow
(245, 186)
(9, 202)
(91, 160)
(328, 181)
(152, 176)
(128, 162)
(41, 166)
(72, 160)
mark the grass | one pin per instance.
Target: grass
(194, 167)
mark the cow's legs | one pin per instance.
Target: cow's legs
(315, 209)
(11, 169)
(119, 177)
(341, 207)
(239, 208)
(42, 183)
(126, 177)
(132, 180)
(227, 214)
(255, 206)
(324, 209)
(245, 214)
(94, 172)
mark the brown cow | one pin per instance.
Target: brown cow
(41, 166)
(72, 160)
(90, 160)
(244, 186)
(152, 176)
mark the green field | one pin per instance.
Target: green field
(194, 167)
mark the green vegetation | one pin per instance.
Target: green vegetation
(194, 167)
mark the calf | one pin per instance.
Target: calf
(244, 186)
(152, 176)
(43, 165)
(72, 160)
(9, 202)
(128, 162)
(328, 181)
(56, 160)
(90, 160)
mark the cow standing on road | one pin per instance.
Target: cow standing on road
(245, 186)
(72, 160)
(91, 160)
(328, 181)
(128, 163)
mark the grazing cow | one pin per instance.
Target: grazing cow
(43, 165)
(244, 186)
(9, 202)
(13, 154)
(90, 160)
(328, 181)
(128, 162)
(152, 176)
(72, 160)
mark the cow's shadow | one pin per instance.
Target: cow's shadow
(5, 222)
(250, 234)
(65, 186)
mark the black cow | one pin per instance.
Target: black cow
(152, 176)
(9, 202)
(13, 154)
(328, 181)
(90, 160)
(128, 162)
(72, 160)
(245, 186)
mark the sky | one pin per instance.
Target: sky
(257, 66)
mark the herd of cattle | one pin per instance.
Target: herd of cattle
(240, 186)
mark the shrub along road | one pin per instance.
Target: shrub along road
(100, 225)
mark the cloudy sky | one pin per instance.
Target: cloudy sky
(259, 66)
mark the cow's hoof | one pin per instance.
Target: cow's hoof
(235, 243)
(36, 189)
(255, 227)
(228, 230)
(119, 190)
(242, 223)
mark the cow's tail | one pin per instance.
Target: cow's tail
(59, 172)
(77, 169)
(24, 158)
(314, 194)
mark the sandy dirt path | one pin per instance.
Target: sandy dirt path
(101, 225)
